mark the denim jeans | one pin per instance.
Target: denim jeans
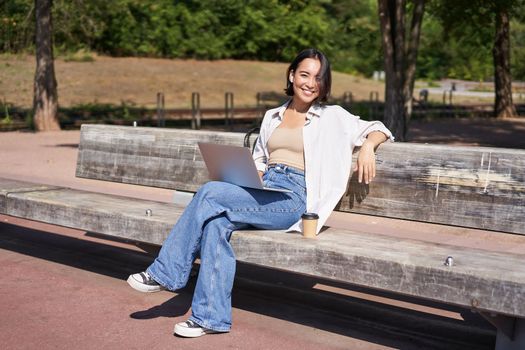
(204, 231)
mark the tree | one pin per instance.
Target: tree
(45, 101)
(503, 106)
(456, 15)
(400, 45)
(356, 39)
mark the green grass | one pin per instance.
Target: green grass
(78, 56)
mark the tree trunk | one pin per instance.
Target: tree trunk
(412, 48)
(399, 55)
(45, 102)
(393, 55)
(503, 107)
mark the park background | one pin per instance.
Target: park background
(112, 58)
(65, 289)
(456, 39)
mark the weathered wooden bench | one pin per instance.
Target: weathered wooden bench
(474, 187)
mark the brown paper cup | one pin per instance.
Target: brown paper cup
(310, 221)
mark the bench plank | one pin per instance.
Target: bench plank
(112, 215)
(480, 279)
(478, 187)
(8, 186)
(167, 158)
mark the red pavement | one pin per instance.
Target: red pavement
(63, 289)
(56, 299)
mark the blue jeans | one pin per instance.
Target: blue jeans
(204, 231)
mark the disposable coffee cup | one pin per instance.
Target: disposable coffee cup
(310, 224)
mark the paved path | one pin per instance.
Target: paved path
(64, 288)
(517, 96)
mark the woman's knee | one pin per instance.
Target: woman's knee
(214, 191)
(212, 187)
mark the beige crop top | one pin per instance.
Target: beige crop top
(285, 146)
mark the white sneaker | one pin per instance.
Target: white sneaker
(190, 329)
(143, 282)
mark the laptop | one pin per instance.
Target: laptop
(233, 164)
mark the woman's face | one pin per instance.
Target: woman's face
(305, 80)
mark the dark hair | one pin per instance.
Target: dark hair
(325, 75)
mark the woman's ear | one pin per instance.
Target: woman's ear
(291, 77)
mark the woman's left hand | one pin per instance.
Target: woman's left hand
(366, 159)
(366, 163)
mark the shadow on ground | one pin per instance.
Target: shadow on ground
(276, 294)
(507, 133)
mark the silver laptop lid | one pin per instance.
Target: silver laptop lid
(233, 164)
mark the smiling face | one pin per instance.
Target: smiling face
(305, 81)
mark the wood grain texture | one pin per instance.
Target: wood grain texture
(102, 213)
(8, 186)
(475, 187)
(167, 158)
(479, 279)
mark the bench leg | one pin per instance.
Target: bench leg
(516, 341)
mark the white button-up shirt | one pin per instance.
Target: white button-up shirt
(329, 136)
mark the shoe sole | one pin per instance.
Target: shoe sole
(186, 332)
(142, 287)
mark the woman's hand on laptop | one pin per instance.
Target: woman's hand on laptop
(261, 173)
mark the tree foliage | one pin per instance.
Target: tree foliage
(272, 30)
(466, 30)
(487, 23)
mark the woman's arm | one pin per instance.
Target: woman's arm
(366, 160)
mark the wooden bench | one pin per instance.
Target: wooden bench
(474, 187)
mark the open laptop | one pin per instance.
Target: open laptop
(233, 164)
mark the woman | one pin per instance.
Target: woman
(303, 146)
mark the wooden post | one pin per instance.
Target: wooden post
(348, 98)
(260, 107)
(228, 110)
(447, 95)
(195, 111)
(161, 123)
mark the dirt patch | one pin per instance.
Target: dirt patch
(136, 81)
